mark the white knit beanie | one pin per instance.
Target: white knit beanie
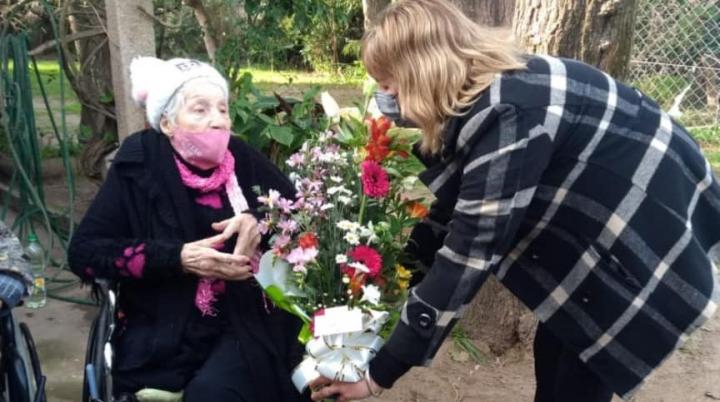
(155, 82)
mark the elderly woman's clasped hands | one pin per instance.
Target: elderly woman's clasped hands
(202, 258)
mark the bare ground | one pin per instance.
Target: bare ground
(691, 374)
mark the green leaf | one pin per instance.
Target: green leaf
(344, 136)
(266, 102)
(283, 135)
(242, 115)
(265, 118)
(310, 94)
(392, 172)
(305, 334)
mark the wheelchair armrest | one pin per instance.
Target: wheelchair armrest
(105, 292)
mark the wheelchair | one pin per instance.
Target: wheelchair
(23, 380)
(98, 381)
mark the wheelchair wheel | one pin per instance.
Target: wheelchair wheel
(35, 374)
(94, 355)
(21, 371)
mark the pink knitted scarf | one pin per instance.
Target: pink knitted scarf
(224, 174)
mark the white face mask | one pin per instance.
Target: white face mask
(390, 108)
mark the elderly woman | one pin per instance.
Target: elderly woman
(581, 196)
(174, 227)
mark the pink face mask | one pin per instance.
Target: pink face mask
(204, 149)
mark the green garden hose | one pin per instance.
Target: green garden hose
(18, 123)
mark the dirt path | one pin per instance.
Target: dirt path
(692, 374)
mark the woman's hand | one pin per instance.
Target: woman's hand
(325, 388)
(202, 259)
(246, 227)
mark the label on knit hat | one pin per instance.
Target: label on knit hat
(187, 64)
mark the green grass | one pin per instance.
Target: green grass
(698, 117)
(293, 83)
(50, 76)
(284, 77)
(661, 87)
(713, 156)
(709, 139)
(708, 136)
(285, 82)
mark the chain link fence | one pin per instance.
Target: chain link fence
(676, 58)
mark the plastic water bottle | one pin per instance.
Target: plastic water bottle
(38, 293)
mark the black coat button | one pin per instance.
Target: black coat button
(424, 320)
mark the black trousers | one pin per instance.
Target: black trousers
(561, 376)
(224, 376)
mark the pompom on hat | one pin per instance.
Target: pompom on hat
(155, 82)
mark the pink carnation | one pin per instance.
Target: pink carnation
(300, 256)
(369, 257)
(374, 179)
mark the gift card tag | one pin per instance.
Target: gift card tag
(337, 320)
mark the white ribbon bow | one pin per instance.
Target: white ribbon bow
(341, 357)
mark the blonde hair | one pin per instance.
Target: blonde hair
(439, 59)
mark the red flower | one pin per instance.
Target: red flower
(374, 179)
(356, 284)
(369, 257)
(379, 126)
(308, 240)
(417, 210)
(378, 147)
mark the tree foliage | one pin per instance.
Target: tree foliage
(320, 34)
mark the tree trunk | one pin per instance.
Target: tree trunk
(88, 69)
(371, 9)
(203, 20)
(498, 319)
(493, 13)
(598, 32)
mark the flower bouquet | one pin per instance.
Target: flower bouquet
(336, 249)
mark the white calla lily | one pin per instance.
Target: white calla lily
(373, 110)
(330, 105)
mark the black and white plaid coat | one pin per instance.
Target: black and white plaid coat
(589, 203)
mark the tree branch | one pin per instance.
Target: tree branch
(68, 38)
(204, 22)
(67, 65)
(89, 57)
(159, 21)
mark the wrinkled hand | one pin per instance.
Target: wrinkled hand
(202, 259)
(246, 227)
(325, 388)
